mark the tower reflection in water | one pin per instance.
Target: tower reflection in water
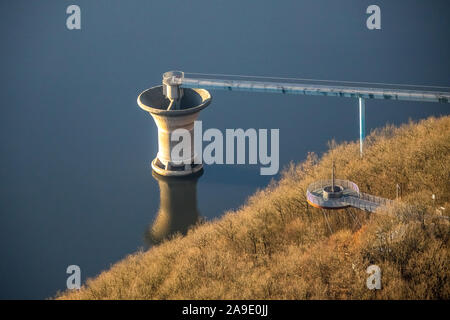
(178, 209)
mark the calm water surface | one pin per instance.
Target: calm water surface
(75, 179)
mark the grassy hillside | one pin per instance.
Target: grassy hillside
(277, 247)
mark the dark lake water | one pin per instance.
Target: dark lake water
(75, 179)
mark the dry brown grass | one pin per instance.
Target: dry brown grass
(277, 247)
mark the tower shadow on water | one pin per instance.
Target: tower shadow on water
(178, 209)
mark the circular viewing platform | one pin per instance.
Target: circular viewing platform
(321, 194)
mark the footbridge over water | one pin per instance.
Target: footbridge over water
(178, 101)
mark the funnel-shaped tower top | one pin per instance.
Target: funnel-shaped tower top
(174, 108)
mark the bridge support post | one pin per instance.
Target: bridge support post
(362, 124)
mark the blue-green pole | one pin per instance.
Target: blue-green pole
(362, 124)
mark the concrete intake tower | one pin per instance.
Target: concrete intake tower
(173, 107)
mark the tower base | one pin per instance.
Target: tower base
(175, 171)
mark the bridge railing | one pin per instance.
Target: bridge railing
(360, 204)
(377, 200)
(304, 88)
(368, 202)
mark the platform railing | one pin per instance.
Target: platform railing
(358, 199)
(320, 184)
(318, 199)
